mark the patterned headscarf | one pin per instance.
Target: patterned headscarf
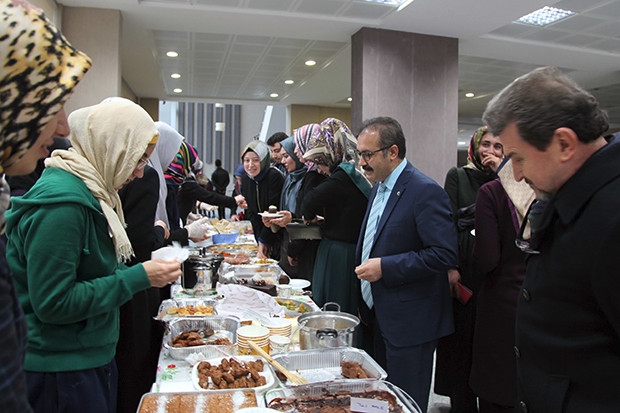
(108, 139)
(303, 134)
(473, 152)
(39, 71)
(332, 144)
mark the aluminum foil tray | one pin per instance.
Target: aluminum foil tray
(323, 365)
(224, 326)
(357, 388)
(221, 401)
(163, 314)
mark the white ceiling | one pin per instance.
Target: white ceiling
(243, 50)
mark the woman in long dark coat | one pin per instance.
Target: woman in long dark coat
(454, 351)
(500, 209)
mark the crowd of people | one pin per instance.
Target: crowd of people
(528, 225)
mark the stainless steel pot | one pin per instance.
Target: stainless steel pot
(327, 329)
(200, 272)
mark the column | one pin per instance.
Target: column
(414, 79)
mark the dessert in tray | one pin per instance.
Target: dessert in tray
(221, 402)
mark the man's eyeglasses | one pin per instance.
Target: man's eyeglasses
(523, 244)
(367, 155)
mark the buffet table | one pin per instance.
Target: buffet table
(330, 375)
(175, 375)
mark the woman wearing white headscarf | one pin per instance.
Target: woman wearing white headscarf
(34, 86)
(261, 187)
(67, 243)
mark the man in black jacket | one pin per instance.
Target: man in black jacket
(220, 179)
(568, 314)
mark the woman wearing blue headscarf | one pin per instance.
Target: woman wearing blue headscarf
(296, 256)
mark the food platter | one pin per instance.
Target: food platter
(292, 307)
(325, 365)
(266, 373)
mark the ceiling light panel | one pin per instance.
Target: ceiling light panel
(545, 16)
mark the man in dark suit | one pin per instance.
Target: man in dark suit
(406, 246)
(568, 314)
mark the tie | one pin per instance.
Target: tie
(371, 227)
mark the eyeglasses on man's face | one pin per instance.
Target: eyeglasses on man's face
(367, 155)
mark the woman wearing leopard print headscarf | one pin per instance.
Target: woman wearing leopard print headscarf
(38, 73)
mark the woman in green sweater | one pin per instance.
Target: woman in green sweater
(66, 247)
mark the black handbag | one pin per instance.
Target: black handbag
(299, 230)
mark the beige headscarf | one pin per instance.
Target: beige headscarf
(520, 193)
(108, 141)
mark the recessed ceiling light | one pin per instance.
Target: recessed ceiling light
(545, 16)
(178, 90)
(469, 95)
(350, 99)
(274, 95)
(172, 53)
(310, 62)
(388, 2)
(175, 76)
(289, 82)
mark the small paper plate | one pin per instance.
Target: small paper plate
(299, 283)
(270, 215)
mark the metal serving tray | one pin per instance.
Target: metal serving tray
(163, 315)
(222, 401)
(224, 326)
(405, 403)
(323, 365)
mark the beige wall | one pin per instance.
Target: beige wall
(97, 33)
(304, 114)
(151, 106)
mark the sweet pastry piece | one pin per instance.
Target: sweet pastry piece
(273, 209)
(328, 403)
(353, 370)
(230, 374)
(184, 403)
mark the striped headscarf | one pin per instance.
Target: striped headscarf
(303, 134)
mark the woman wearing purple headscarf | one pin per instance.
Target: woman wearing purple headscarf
(342, 200)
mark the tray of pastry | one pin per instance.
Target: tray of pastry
(209, 336)
(221, 401)
(172, 309)
(343, 396)
(330, 364)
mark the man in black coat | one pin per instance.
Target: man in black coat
(220, 179)
(568, 314)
